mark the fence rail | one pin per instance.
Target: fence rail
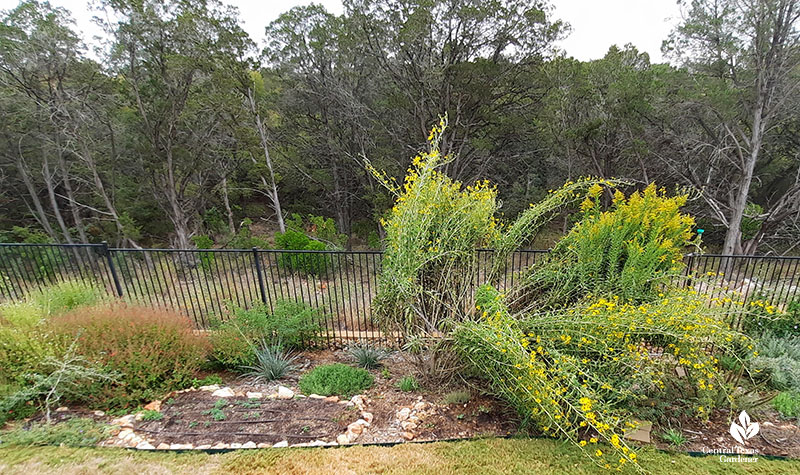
(207, 283)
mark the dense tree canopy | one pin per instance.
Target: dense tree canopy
(183, 129)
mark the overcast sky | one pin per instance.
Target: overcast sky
(596, 24)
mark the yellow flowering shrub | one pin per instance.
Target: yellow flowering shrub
(632, 249)
(432, 232)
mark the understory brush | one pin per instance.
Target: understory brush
(292, 325)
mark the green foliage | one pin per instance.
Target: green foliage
(335, 379)
(457, 397)
(65, 377)
(318, 227)
(674, 437)
(308, 262)
(75, 432)
(408, 383)
(244, 239)
(366, 355)
(271, 363)
(148, 415)
(778, 360)
(65, 296)
(153, 350)
(292, 325)
(765, 318)
(787, 403)
(201, 241)
(631, 250)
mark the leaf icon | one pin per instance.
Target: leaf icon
(752, 430)
(744, 419)
(738, 433)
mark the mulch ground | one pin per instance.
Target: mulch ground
(190, 418)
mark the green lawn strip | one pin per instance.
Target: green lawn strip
(475, 456)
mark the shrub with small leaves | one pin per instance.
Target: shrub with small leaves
(153, 350)
(787, 403)
(335, 379)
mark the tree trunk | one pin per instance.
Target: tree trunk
(41, 216)
(73, 205)
(227, 203)
(733, 237)
(272, 187)
(51, 193)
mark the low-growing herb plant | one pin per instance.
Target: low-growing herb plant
(408, 384)
(787, 403)
(386, 374)
(271, 363)
(335, 379)
(148, 415)
(457, 397)
(209, 380)
(674, 437)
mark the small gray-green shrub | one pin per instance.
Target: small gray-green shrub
(778, 360)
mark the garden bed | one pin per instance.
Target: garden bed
(255, 415)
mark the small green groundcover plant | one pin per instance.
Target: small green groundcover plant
(408, 383)
(335, 379)
(787, 403)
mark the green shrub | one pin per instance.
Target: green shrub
(408, 384)
(202, 241)
(318, 227)
(65, 296)
(766, 319)
(271, 363)
(787, 403)
(366, 355)
(153, 350)
(75, 432)
(293, 325)
(335, 379)
(778, 360)
(308, 262)
(67, 377)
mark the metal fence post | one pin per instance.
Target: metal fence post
(260, 274)
(111, 268)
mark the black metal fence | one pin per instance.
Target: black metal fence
(206, 283)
